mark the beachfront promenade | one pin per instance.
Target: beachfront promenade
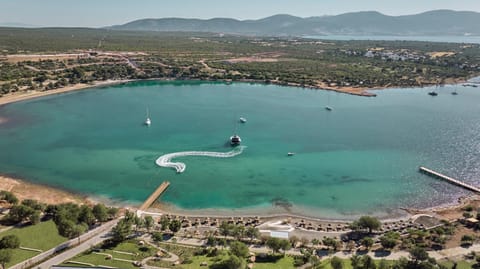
(166, 160)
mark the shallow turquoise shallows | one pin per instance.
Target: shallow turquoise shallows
(360, 158)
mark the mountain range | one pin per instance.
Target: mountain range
(437, 22)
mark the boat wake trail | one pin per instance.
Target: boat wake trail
(166, 160)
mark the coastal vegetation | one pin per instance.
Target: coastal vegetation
(34, 227)
(46, 59)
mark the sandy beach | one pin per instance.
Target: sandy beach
(16, 97)
(24, 190)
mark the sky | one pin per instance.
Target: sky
(98, 13)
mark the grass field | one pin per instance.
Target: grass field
(99, 258)
(42, 236)
(460, 264)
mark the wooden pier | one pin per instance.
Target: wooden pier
(449, 179)
(154, 196)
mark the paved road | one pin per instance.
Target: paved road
(104, 230)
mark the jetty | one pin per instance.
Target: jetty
(154, 196)
(449, 179)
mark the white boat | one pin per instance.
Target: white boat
(290, 153)
(148, 122)
(243, 120)
(235, 140)
(328, 108)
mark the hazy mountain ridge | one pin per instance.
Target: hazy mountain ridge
(437, 22)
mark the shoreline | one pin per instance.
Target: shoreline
(17, 97)
(24, 189)
(351, 90)
(50, 195)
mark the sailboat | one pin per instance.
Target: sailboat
(328, 107)
(148, 122)
(433, 93)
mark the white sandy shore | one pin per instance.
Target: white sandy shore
(16, 97)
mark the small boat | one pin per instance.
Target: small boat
(455, 92)
(243, 120)
(433, 93)
(235, 140)
(328, 108)
(290, 153)
(148, 122)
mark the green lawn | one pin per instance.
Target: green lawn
(20, 255)
(130, 246)
(460, 264)
(43, 236)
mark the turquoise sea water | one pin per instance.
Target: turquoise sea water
(360, 158)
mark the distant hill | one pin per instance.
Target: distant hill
(438, 22)
(17, 25)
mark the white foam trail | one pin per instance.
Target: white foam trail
(165, 160)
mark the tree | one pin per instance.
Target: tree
(139, 223)
(148, 222)
(66, 227)
(121, 231)
(418, 254)
(34, 204)
(175, 226)
(225, 228)
(367, 242)
(239, 249)
(19, 213)
(277, 244)
(336, 263)
(10, 241)
(231, 262)
(331, 242)
(35, 217)
(9, 197)
(252, 233)
(274, 244)
(467, 240)
(5, 257)
(238, 231)
(356, 261)
(388, 242)
(368, 262)
(285, 245)
(157, 236)
(86, 215)
(366, 222)
(100, 212)
(78, 230)
(112, 212)
(164, 223)
(383, 264)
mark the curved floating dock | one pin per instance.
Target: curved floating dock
(165, 160)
